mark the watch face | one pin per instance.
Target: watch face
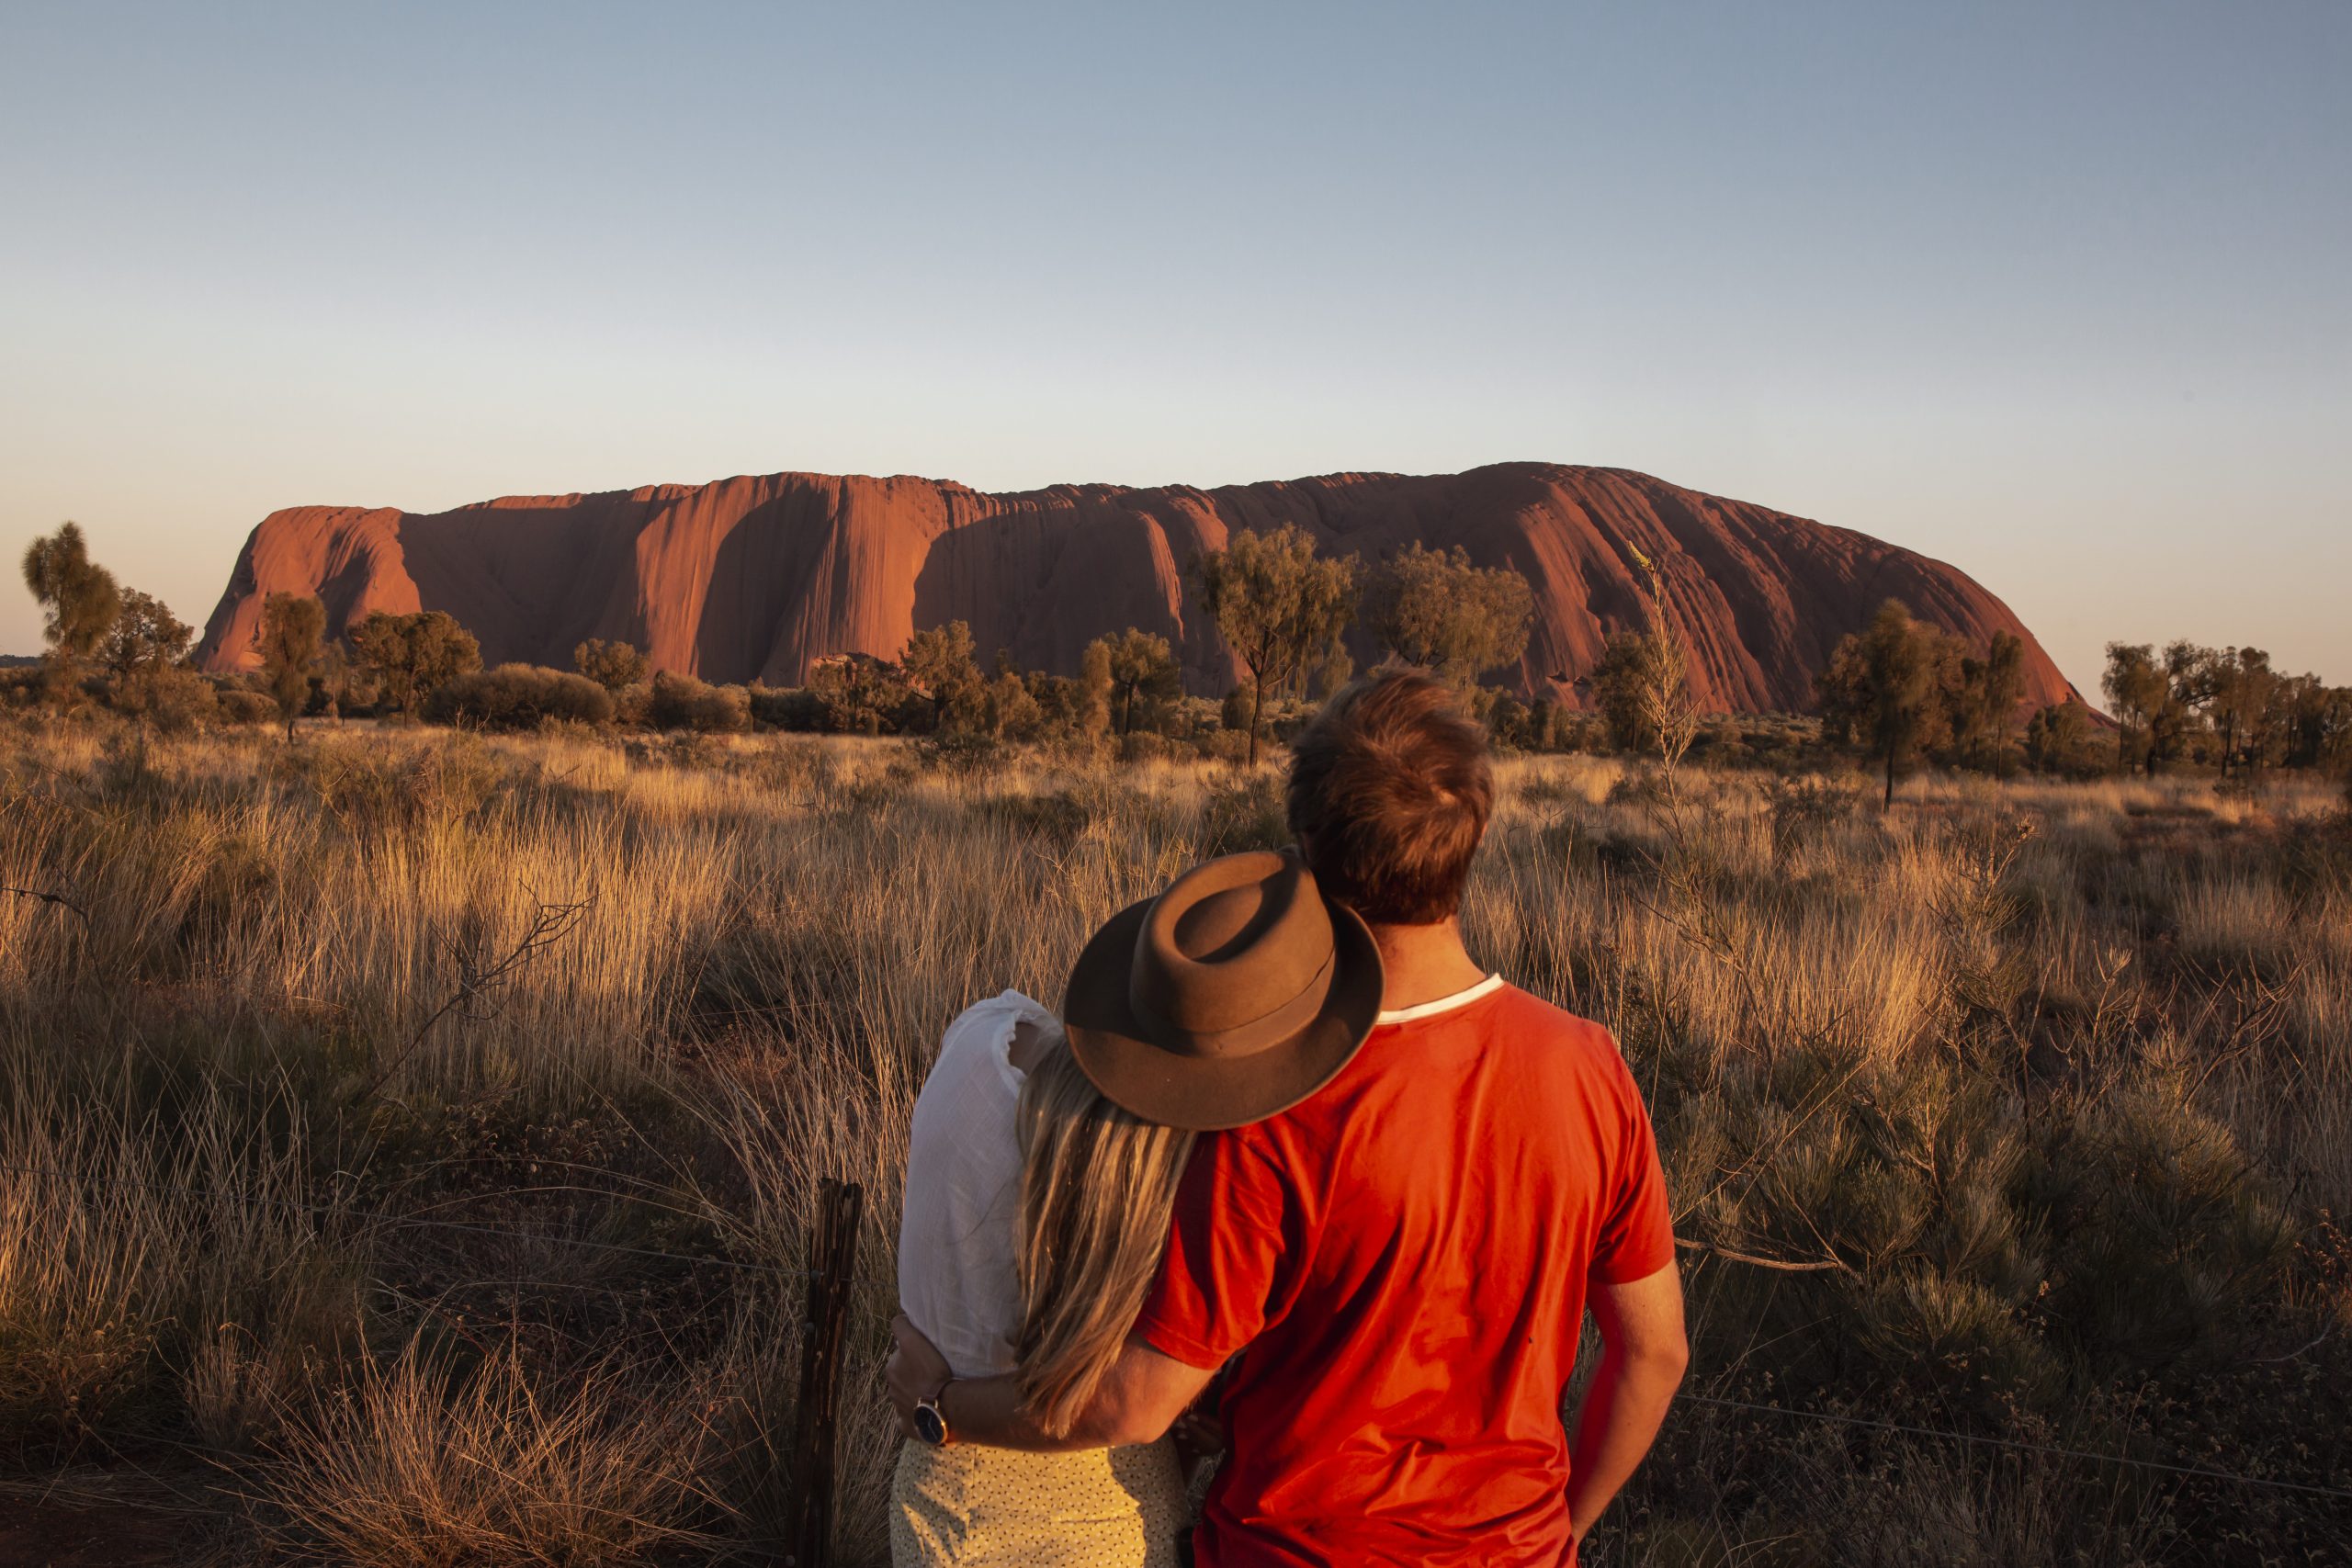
(929, 1427)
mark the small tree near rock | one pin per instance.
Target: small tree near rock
(939, 669)
(142, 647)
(1143, 673)
(1280, 607)
(616, 666)
(414, 656)
(1435, 609)
(293, 626)
(1885, 684)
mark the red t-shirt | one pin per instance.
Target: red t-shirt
(1402, 1262)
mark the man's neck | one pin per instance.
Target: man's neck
(1423, 964)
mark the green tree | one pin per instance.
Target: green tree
(1090, 702)
(616, 666)
(77, 594)
(2244, 706)
(1433, 608)
(2135, 686)
(1008, 710)
(1143, 671)
(2179, 719)
(2317, 719)
(940, 670)
(414, 656)
(145, 643)
(1279, 606)
(2056, 736)
(293, 626)
(1883, 685)
(1985, 706)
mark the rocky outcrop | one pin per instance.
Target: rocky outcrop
(757, 577)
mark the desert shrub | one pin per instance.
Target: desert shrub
(368, 792)
(1233, 712)
(1145, 745)
(680, 702)
(795, 769)
(519, 696)
(1803, 809)
(180, 701)
(1223, 746)
(789, 707)
(962, 753)
(1244, 812)
(238, 706)
(1059, 819)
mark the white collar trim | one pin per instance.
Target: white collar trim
(1487, 986)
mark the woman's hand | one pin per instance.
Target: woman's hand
(916, 1371)
(1199, 1433)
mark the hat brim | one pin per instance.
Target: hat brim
(1115, 1049)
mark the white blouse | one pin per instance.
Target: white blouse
(957, 1280)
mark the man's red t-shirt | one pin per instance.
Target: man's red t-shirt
(1402, 1262)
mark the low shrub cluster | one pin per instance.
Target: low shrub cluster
(519, 696)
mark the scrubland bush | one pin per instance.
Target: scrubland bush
(680, 702)
(241, 705)
(519, 696)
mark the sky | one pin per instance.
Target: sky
(2059, 294)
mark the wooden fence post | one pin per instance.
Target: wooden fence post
(833, 1276)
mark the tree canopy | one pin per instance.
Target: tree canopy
(1435, 609)
(292, 626)
(616, 666)
(414, 656)
(1280, 607)
(1142, 673)
(78, 596)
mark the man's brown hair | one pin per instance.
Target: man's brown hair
(1389, 793)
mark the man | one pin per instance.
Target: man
(1402, 1259)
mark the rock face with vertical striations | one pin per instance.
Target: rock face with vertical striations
(756, 578)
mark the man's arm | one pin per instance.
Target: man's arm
(1138, 1400)
(1642, 1354)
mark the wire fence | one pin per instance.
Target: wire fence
(1778, 1411)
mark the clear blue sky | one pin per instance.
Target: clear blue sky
(2061, 294)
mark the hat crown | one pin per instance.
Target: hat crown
(1234, 953)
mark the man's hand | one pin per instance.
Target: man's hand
(917, 1370)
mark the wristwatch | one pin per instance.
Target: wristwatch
(931, 1423)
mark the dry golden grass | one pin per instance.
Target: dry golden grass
(2025, 1110)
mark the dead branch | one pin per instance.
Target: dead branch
(1779, 1265)
(60, 899)
(550, 924)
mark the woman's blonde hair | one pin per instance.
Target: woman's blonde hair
(1098, 1189)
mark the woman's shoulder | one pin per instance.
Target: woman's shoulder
(976, 1053)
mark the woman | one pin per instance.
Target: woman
(1035, 1214)
(1038, 1204)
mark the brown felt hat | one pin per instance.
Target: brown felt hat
(1235, 994)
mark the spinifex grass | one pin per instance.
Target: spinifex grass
(2022, 1111)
